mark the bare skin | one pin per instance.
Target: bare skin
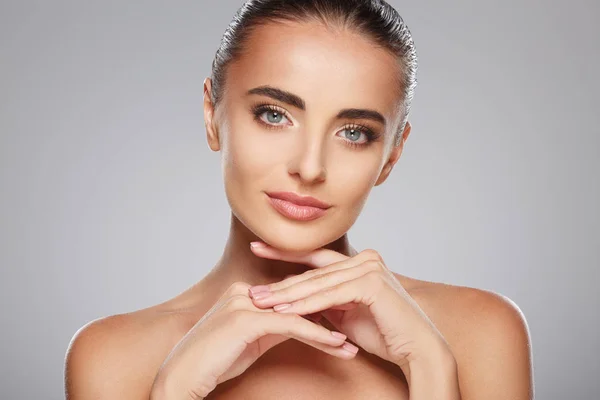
(310, 152)
(122, 353)
(144, 339)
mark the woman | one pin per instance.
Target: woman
(308, 104)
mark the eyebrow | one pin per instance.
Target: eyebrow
(298, 102)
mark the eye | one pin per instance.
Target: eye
(358, 135)
(273, 114)
(354, 135)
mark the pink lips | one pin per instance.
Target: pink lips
(294, 206)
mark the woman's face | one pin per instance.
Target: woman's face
(297, 142)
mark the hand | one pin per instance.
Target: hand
(229, 338)
(361, 297)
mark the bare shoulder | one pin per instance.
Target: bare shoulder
(460, 308)
(118, 356)
(488, 334)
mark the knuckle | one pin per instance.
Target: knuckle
(374, 265)
(375, 279)
(238, 288)
(372, 255)
(237, 302)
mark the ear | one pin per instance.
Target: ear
(212, 136)
(394, 156)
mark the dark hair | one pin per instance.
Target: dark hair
(376, 19)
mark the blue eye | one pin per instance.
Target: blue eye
(277, 116)
(351, 133)
(274, 115)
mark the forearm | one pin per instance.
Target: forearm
(433, 376)
(168, 387)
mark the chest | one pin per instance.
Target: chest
(296, 371)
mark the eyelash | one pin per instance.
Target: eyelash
(258, 109)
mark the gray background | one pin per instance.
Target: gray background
(111, 200)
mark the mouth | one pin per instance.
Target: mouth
(296, 207)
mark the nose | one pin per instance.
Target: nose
(308, 162)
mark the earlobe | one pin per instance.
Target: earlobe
(212, 136)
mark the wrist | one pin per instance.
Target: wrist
(442, 362)
(434, 379)
(169, 387)
(432, 373)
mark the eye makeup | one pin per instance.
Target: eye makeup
(370, 134)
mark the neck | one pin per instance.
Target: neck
(238, 263)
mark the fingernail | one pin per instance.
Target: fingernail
(280, 307)
(338, 335)
(257, 289)
(350, 347)
(257, 245)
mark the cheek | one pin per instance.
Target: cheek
(353, 184)
(250, 159)
(246, 155)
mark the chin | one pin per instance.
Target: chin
(294, 236)
(295, 244)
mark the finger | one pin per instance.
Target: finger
(316, 258)
(316, 317)
(238, 302)
(308, 287)
(271, 341)
(235, 297)
(361, 290)
(235, 288)
(337, 351)
(348, 262)
(345, 307)
(291, 326)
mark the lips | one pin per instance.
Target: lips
(296, 207)
(299, 200)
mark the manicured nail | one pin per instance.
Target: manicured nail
(257, 289)
(280, 307)
(350, 347)
(257, 245)
(338, 335)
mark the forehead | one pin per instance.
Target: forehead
(329, 69)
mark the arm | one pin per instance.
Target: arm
(497, 352)
(98, 363)
(434, 375)
(435, 380)
(491, 361)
